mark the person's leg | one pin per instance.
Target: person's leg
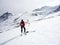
(24, 29)
(21, 29)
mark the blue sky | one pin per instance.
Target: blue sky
(18, 6)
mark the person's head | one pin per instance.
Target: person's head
(22, 20)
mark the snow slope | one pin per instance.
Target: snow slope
(43, 32)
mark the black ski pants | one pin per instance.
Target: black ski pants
(23, 29)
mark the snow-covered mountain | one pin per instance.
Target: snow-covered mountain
(5, 16)
(46, 10)
(58, 9)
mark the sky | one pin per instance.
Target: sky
(18, 6)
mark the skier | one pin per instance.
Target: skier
(22, 24)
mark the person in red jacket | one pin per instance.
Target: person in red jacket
(22, 24)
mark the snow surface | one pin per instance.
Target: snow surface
(42, 32)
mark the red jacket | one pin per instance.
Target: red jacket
(22, 23)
